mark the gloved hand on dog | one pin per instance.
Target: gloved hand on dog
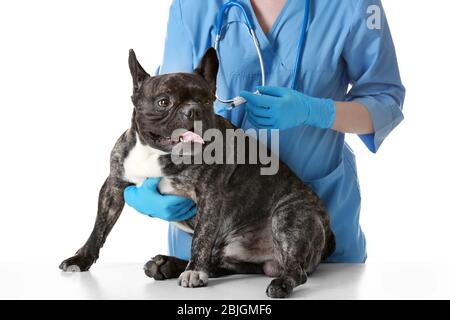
(147, 200)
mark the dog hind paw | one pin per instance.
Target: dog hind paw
(280, 288)
(193, 279)
(164, 267)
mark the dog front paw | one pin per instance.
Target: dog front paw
(193, 279)
(77, 263)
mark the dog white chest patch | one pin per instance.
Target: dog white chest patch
(142, 163)
(165, 186)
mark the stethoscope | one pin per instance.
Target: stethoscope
(237, 101)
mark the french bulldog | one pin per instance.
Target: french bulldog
(245, 223)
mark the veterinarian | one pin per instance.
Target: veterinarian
(348, 43)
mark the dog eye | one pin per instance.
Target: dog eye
(164, 103)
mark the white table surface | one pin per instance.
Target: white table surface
(127, 281)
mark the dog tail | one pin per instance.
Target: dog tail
(330, 239)
(330, 244)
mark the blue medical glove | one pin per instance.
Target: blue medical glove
(284, 108)
(147, 200)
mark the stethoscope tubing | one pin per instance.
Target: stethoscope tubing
(251, 27)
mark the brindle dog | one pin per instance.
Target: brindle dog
(245, 222)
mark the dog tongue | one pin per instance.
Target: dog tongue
(190, 136)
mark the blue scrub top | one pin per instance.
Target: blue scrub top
(342, 51)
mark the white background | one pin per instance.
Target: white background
(64, 100)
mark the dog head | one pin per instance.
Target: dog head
(165, 103)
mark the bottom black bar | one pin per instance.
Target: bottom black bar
(213, 309)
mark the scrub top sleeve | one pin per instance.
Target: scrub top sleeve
(373, 71)
(178, 50)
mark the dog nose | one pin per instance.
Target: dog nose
(191, 112)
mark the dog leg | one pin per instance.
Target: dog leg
(164, 267)
(298, 245)
(110, 205)
(197, 271)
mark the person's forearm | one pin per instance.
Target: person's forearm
(352, 117)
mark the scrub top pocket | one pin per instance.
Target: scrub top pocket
(340, 192)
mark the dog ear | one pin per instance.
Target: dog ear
(137, 72)
(209, 67)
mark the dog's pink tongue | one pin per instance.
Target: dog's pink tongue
(190, 136)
